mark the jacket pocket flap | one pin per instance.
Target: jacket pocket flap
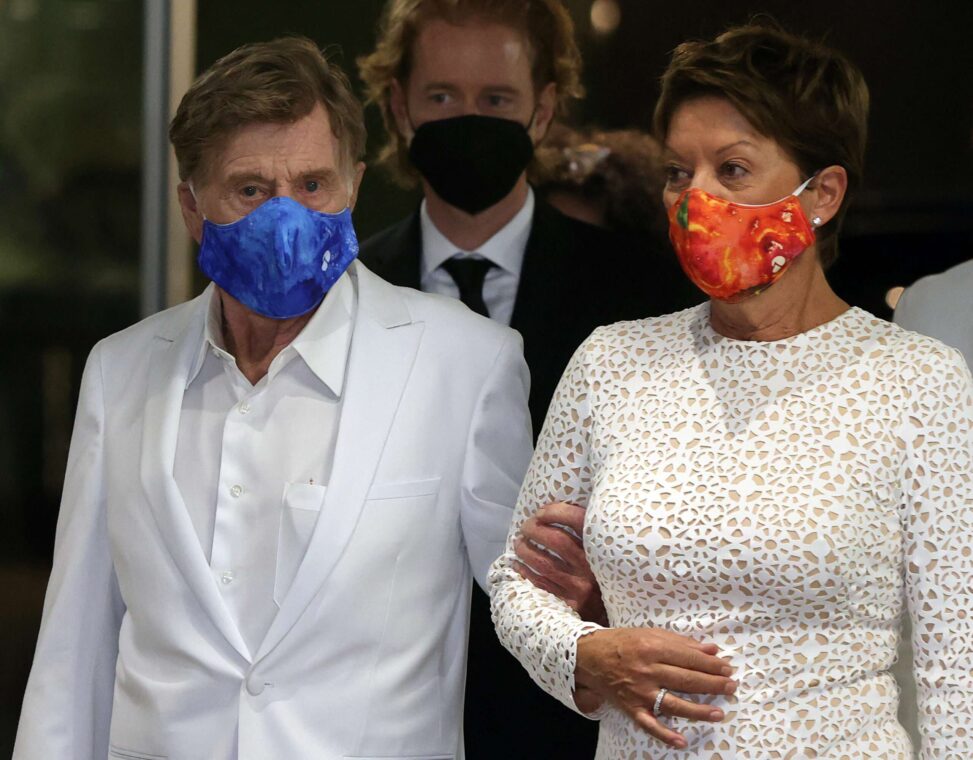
(131, 754)
(425, 487)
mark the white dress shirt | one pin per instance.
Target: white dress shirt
(505, 250)
(253, 461)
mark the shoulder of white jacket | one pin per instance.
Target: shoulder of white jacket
(168, 324)
(394, 304)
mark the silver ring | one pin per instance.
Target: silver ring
(657, 707)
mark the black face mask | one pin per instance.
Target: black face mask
(473, 161)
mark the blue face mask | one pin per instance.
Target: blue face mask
(281, 258)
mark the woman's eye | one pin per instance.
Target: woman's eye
(497, 101)
(733, 171)
(439, 97)
(675, 175)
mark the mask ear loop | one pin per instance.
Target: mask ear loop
(803, 186)
(192, 191)
(816, 221)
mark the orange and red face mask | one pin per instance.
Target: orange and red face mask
(729, 248)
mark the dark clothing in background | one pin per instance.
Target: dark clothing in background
(574, 277)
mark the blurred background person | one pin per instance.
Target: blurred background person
(941, 306)
(609, 178)
(774, 472)
(467, 90)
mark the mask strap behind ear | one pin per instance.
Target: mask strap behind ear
(803, 186)
(192, 190)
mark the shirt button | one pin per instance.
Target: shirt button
(226, 577)
(236, 491)
(244, 408)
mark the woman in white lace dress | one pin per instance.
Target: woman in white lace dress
(772, 472)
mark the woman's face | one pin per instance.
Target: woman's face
(711, 146)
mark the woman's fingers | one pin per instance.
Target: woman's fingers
(648, 722)
(692, 681)
(692, 659)
(674, 706)
(688, 641)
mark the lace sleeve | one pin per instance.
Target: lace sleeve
(937, 434)
(539, 629)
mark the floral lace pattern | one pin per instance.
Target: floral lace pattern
(785, 500)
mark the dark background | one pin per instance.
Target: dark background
(70, 109)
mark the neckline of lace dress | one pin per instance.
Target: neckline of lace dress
(842, 321)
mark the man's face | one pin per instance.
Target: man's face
(480, 67)
(300, 160)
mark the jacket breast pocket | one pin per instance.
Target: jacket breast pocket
(395, 516)
(131, 754)
(300, 511)
(412, 488)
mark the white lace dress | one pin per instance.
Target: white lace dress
(784, 500)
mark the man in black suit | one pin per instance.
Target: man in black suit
(465, 95)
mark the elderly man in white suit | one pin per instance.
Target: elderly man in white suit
(277, 496)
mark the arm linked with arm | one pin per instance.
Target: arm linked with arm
(539, 629)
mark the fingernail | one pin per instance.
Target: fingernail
(728, 671)
(731, 687)
(716, 715)
(679, 743)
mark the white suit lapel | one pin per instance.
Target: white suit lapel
(169, 368)
(384, 345)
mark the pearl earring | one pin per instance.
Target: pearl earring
(816, 221)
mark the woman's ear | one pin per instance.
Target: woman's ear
(829, 188)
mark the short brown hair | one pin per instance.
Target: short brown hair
(808, 97)
(264, 82)
(546, 24)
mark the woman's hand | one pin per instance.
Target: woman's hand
(628, 666)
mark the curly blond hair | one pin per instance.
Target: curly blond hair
(546, 24)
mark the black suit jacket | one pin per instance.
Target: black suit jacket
(574, 278)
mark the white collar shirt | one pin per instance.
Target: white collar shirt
(505, 250)
(253, 461)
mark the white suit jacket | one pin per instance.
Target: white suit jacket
(138, 656)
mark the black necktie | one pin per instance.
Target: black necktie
(469, 274)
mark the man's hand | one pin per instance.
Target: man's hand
(628, 667)
(551, 556)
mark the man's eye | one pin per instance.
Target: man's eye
(312, 186)
(250, 191)
(439, 97)
(498, 100)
